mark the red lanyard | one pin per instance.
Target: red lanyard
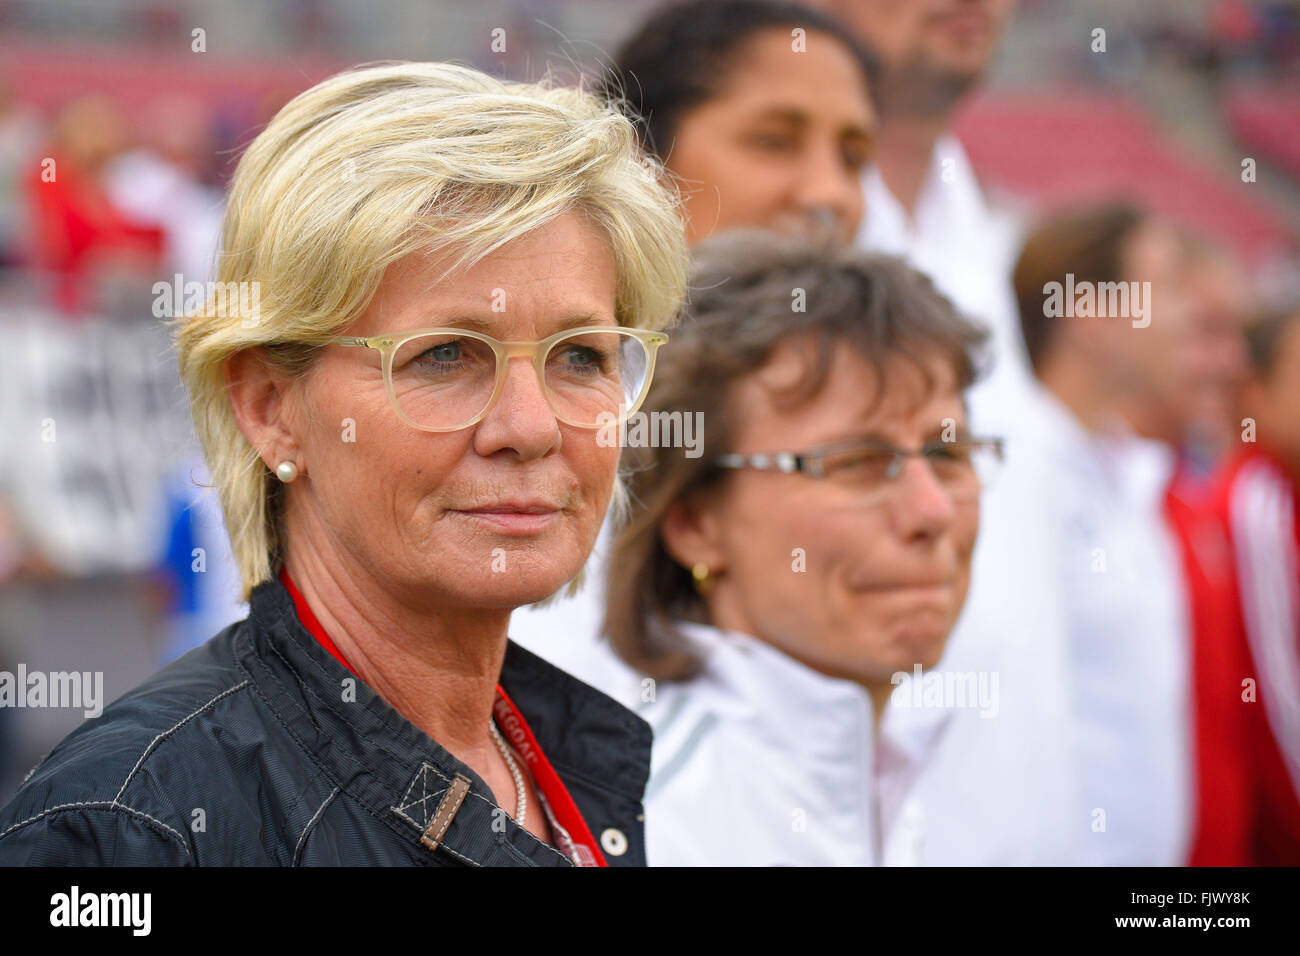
(309, 619)
(571, 831)
(565, 817)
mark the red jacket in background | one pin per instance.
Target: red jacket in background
(76, 229)
(1240, 545)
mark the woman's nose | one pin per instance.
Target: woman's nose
(828, 187)
(921, 504)
(521, 420)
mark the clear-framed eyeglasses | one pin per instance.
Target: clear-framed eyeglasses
(963, 467)
(446, 379)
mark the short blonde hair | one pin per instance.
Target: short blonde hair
(382, 161)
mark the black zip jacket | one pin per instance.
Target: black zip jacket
(245, 752)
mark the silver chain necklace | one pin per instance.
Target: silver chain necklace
(521, 795)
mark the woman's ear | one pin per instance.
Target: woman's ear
(258, 392)
(691, 532)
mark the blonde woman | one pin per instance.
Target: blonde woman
(449, 281)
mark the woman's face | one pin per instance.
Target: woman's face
(853, 588)
(782, 143)
(496, 515)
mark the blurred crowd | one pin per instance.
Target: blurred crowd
(96, 206)
(1126, 582)
(93, 201)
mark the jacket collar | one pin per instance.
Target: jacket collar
(377, 756)
(823, 724)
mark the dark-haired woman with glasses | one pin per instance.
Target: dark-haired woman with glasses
(768, 596)
(449, 285)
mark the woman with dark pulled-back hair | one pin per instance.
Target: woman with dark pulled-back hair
(762, 111)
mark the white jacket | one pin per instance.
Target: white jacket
(1129, 648)
(762, 761)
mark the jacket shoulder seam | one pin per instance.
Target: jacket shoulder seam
(102, 805)
(311, 755)
(297, 850)
(171, 730)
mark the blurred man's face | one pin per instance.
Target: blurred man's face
(959, 37)
(1182, 372)
(1214, 348)
(1156, 364)
(933, 50)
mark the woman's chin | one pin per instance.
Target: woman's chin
(508, 590)
(920, 642)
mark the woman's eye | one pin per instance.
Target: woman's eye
(865, 463)
(948, 452)
(773, 142)
(581, 358)
(441, 358)
(855, 158)
(447, 352)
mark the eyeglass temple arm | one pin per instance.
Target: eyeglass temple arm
(785, 461)
(811, 463)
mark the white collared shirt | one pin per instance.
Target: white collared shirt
(1129, 639)
(969, 251)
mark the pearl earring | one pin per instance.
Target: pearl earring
(286, 471)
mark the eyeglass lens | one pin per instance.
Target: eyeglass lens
(444, 380)
(962, 468)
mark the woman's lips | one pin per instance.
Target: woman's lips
(920, 592)
(514, 519)
(923, 594)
